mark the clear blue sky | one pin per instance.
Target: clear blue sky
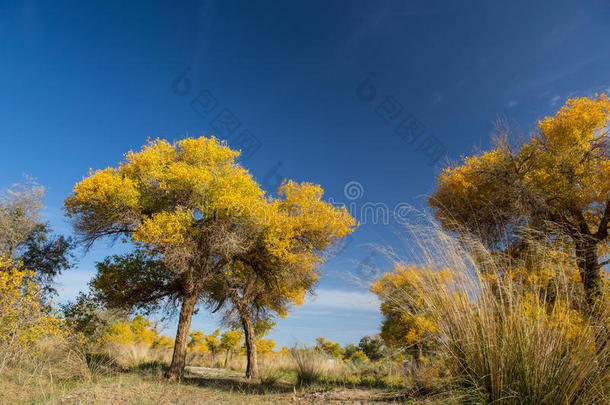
(83, 82)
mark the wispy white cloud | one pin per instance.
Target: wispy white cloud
(341, 299)
(554, 100)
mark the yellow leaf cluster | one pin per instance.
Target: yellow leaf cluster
(25, 319)
(201, 342)
(192, 194)
(408, 319)
(558, 315)
(265, 346)
(165, 227)
(136, 331)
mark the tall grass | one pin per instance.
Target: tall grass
(512, 342)
(131, 355)
(311, 365)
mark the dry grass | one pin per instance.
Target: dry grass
(128, 356)
(311, 365)
(510, 344)
(145, 387)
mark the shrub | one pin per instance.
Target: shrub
(25, 319)
(269, 375)
(310, 365)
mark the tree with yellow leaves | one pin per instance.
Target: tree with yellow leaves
(265, 346)
(230, 341)
(329, 347)
(205, 231)
(136, 331)
(282, 265)
(25, 319)
(556, 184)
(182, 204)
(408, 322)
(199, 341)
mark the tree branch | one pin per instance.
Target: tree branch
(602, 231)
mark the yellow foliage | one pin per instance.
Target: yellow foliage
(407, 316)
(25, 320)
(284, 351)
(231, 340)
(265, 346)
(190, 203)
(137, 331)
(557, 183)
(199, 341)
(557, 314)
(164, 341)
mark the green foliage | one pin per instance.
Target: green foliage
(134, 282)
(27, 239)
(89, 319)
(372, 347)
(349, 350)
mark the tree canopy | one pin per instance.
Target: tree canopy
(205, 232)
(27, 239)
(556, 184)
(408, 322)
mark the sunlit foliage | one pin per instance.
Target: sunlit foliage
(556, 184)
(27, 238)
(192, 207)
(408, 322)
(136, 331)
(25, 318)
(329, 347)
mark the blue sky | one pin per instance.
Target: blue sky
(84, 82)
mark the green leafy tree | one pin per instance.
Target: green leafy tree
(89, 318)
(372, 346)
(349, 350)
(26, 238)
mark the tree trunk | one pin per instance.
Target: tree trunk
(252, 367)
(589, 268)
(418, 349)
(176, 369)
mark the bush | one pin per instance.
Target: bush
(310, 365)
(269, 375)
(26, 320)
